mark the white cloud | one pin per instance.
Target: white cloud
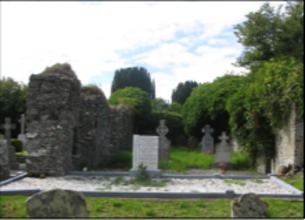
(93, 36)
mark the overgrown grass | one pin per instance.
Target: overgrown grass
(14, 207)
(182, 159)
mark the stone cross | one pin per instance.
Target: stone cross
(22, 122)
(207, 129)
(8, 126)
(223, 137)
(207, 140)
(223, 154)
(162, 130)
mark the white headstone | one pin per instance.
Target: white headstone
(145, 153)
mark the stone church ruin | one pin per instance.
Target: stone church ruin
(70, 126)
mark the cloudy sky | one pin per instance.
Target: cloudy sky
(174, 41)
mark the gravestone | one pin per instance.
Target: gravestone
(22, 136)
(249, 205)
(7, 126)
(164, 143)
(192, 142)
(223, 154)
(207, 140)
(145, 154)
(4, 159)
(57, 203)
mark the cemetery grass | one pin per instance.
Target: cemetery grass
(14, 206)
(297, 181)
(182, 158)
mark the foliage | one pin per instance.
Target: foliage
(270, 33)
(17, 144)
(137, 99)
(63, 68)
(207, 104)
(92, 90)
(133, 77)
(14, 207)
(12, 101)
(183, 91)
(262, 104)
(160, 104)
(240, 161)
(172, 120)
(175, 107)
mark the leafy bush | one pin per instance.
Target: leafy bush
(17, 144)
(240, 161)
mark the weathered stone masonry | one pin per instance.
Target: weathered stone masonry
(290, 143)
(69, 126)
(52, 116)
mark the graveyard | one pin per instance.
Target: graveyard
(77, 147)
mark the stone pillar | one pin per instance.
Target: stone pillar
(52, 117)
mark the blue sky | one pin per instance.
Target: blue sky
(174, 41)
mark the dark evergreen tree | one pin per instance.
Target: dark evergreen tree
(183, 91)
(133, 77)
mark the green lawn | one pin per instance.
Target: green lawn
(297, 181)
(14, 206)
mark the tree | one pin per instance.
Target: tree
(206, 104)
(269, 33)
(133, 77)
(183, 91)
(12, 100)
(137, 100)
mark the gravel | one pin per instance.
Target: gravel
(80, 183)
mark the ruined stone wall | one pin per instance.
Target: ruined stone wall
(4, 159)
(289, 143)
(52, 116)
(69, 127)
(121, 125)
(93, 135)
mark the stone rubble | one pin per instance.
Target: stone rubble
(174, 185)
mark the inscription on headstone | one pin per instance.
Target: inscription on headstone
(207, 140)
(223, 154)
(8, 126)
(145, 153)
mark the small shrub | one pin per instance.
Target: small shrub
(17, 144)
(240, 161)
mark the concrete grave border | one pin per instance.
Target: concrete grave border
(174, 195)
